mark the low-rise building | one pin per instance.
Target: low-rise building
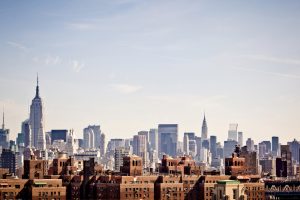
(207, 185)
(35, 169)
(13, 189)
(47, 189)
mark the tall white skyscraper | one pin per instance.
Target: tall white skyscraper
(92, 137)
(71, 143)
(139, 145)
(37, 121)
(232, 132)
(240, 139)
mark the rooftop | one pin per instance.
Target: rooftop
(228, 182)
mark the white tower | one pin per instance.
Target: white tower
(36, 121)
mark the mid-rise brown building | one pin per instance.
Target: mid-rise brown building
(132, 166)
(75, 187)
(234, 165)
(191, 187)
(242, 162)
(251, 161)
(124, 187)
(181, 165)
(255, 191)
(207, 185)
(63, 165)
(169, 187)
(35, 169)
(13, 189)
(47, 189)
(3, 172)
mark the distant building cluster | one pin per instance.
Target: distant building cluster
(153, 164)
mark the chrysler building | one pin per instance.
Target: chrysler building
(36, 121)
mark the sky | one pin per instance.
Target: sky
(129, 65)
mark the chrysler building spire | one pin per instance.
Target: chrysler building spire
(204, 129)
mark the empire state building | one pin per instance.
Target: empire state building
(36, 121)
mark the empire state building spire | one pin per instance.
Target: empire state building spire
(37, 91)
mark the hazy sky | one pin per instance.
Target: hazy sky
(129, 65)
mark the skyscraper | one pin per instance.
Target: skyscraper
(92, 137)
(213, 146)
(268, 146)
(275, 146)
(204, 129)
(26, 131)
(187, 138)
(102, 144)
(113, 144)
(262, 150)
(168, 137)
(250, 144)
(232, 132)
(71, 143)
(146, 134)
(286, 156)
(37, 121)
(240, 139)
(4, 136)
(120, 152)
(59, 135)
(140, 147)
(295, 149)
(229, 147)
(8, 160)
(153, 139)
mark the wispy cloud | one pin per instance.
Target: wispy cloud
(52, 60)
(194, 100)
(47, 60)
(126, 88)
(284, 75)
(18, 45)
(77, 65)
(289, 61)
(81, 26)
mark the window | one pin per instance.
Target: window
(234, 191)
(17, 186)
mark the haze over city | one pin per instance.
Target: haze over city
(130, 65)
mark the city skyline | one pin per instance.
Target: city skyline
(132, 77)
